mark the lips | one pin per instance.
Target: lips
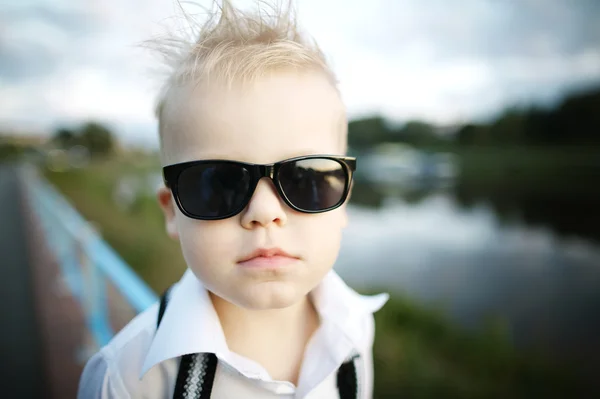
(267, 257)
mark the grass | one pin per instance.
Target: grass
(420, 354)
(417, 352)
(137, 233)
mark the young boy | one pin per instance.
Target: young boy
(253, 136)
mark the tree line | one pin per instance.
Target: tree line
(573, 121)
(97, 138)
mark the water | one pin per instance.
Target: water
(474, 265)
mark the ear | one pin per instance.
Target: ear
(167, 204)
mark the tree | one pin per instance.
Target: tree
(97, 138)
(365, 133)
(418, 133)
(509, 128)
(65, 138)
(467, 134)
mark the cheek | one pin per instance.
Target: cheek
(205, 244)
(321, 235)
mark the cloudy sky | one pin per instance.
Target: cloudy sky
(64, 61)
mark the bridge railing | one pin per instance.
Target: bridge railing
(86, 261)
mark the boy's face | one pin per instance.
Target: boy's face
(281, 116)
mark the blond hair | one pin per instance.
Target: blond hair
(233, 46)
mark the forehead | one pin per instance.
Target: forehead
(277, 117)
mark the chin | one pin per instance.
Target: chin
(271, 296)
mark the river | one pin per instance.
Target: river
(474, 266)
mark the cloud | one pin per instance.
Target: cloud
(456, 60)
(34, 40)
(62, 62)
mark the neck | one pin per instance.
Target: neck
(232, 316)
(275, 338)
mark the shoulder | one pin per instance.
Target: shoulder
(365, 366)
(114, 371)
(365, 320)
(364, 344)
(139, 330)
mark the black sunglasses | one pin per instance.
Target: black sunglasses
(219, 189)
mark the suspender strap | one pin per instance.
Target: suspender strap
(162, 306)
(196, 376)
(196, 373)
(347, 383)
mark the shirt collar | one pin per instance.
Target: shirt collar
(339, 304)
(190, 323)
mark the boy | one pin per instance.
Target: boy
(253, 133)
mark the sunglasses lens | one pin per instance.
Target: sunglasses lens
(314, 184)
(213, 190)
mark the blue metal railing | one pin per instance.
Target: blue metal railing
(85, 259)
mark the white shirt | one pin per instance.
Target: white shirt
(142, 362)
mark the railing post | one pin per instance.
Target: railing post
(94, 285)
(86, 261)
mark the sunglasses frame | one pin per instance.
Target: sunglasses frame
(172, 172)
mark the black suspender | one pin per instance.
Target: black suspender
(196, 376)
(197, 371)
(347, 383)
(162, 306)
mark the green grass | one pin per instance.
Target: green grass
(420, 354)
(417, 352)
(138, 233)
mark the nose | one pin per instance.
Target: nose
(265, 207)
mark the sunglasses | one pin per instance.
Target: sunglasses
(219, 189)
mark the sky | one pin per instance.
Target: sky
(63, 62)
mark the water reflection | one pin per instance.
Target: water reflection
(567, 204)
(462, 253)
